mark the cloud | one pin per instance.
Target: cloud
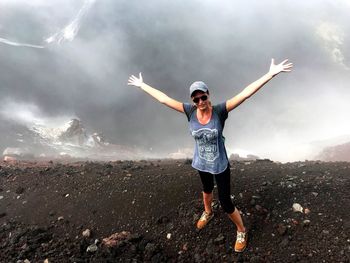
(29, 114)
(332, 36)
(68, 33)
(228, 45)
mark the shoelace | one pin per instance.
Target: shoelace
(240, 237)
(204, 216)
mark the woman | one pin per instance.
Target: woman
(206, 126)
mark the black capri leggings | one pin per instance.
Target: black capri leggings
(224, 187)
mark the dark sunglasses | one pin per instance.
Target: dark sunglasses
(203, 98)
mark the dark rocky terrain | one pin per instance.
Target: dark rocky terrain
(46, 206)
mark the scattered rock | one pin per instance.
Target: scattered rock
(220, 239)
(306, 222)
(67, 242)
(297, 208)
(115, 239)
(19, 190)
(86, 233)
(258, 208)
(325, 232)
(281, 229)
(92, 248)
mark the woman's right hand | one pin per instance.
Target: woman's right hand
(134, 81)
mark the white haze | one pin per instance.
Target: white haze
(34, 119)
(227, 44)
(68, 33)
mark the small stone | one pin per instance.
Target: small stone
(307, 211)
(314, 194)
(325, 232)
(306, 222)
(26, 261)
(258, 208)
(46, 260)
(281, 229)
(86, 233)
(297, 208)
(185, 247)
(60, 218)
(168, 236)
(220, 239)
(295, 222)
(92, 248)
(1, 197)
(19, 190)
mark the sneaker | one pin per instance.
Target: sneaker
(241, 241)
(204, 220)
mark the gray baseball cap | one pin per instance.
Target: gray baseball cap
(198, 85)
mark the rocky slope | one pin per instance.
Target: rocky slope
(56, 212)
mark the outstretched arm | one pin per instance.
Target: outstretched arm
(256, 85)
(158, 95)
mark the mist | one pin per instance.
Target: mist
(227, 44)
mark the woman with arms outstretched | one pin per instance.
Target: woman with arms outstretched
(210, 159)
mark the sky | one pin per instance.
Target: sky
(226, 44)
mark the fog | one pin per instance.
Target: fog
(227, 44)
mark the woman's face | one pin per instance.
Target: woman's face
(201, 99)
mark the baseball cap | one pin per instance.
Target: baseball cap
(198, 85)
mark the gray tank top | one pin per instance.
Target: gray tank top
(209, 153)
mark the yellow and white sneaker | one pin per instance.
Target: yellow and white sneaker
(241, 241)
(204, 220)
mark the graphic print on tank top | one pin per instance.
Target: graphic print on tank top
(207, 142)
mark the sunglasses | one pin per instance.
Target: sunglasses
(203, 98)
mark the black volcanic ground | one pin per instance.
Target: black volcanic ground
(46, 206)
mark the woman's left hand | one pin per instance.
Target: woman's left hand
(282, 67)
